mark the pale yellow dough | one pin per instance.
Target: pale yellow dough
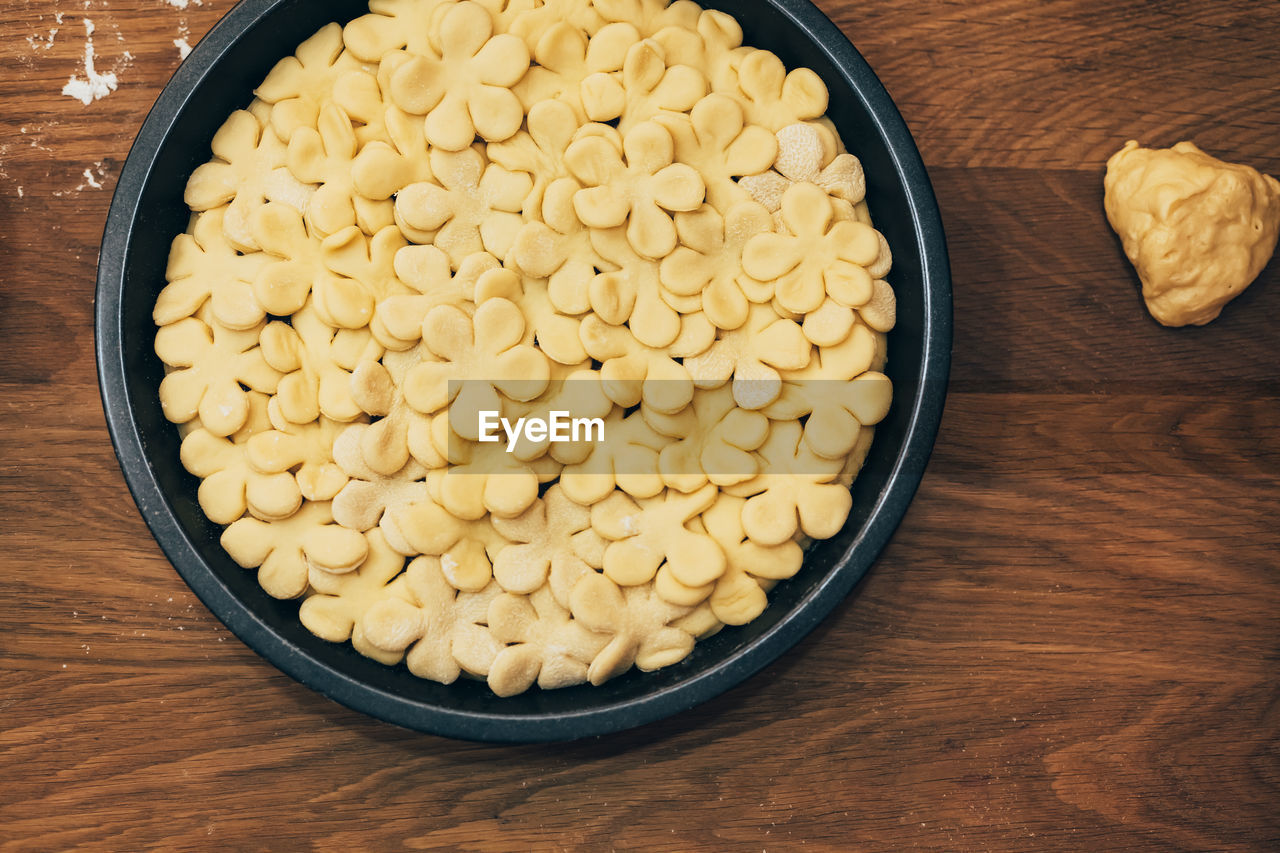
(1197, 229)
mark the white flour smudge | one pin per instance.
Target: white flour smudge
(184, 49)
(94, 85)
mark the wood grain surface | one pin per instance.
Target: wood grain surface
(1071, 642)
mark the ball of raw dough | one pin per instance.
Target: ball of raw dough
(1198, 230)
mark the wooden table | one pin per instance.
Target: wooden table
(1072, 641)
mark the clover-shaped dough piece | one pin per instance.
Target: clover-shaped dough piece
(474, 208)
(397, 321)
(466, 548)
(716, 446)
(533, 24)
(467, 90)
(283, 550)
(556, 333)
(638, 622)
(633, 372)
(390, 25)
(212, 364)
(306, 450)
(229, 484)
(317, 363)
(338, 601)
(576, 391)
(752, 355)
(647, 86)
(550, 537)
(367, 261)
(248, 168)
(637, 187)
(715, 139)
(439, 626)
(323, 155)
(559, 248)
(818, 258)
(483, 357)
(709, 261)
(368, 494)
(773, 97)
(626, 458)
(739, 596)
(794, 492)
(565, 59)
(400, 432)
(547, 646)
(202, 267)
(485, 479)
(805, 155)
(538, 151)
(644, 536)
(282, 287)
(298, 85)
(1197, 230)
(838, 394)
(382, 168)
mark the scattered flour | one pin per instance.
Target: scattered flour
(184, 49)
(94, 85)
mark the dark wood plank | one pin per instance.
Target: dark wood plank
(1071, 642)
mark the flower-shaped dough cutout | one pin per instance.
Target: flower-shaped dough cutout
(794, 491)
(465, 547)
(369, 262)
(467, 90)
(643, 536)
(532, 24)
(649, 16)
(633, 293)
(881, 311)
(387, 444)
(282, 287)
(627, 459)
(637, 187)
(738, 596)
(383, 168)
(212, 364)
(247, 169)
(638, 622)
(440, 626)
(575, 389)
(298, 85)
(547, 646)
(483, 356)
(397, 321)
(716, 444)
(338, 601)
(715, 139)
(556, 333)
(709, 262)
(474, 207)
(546, 537)
(312, 357)
(837, 410)
(323, 156)
(369, 494)
(204, 267)
(633, 372)
(819, 258)
(306, 450)
(390, 25)
(282, 550)
(752, 355)
(230, 485)
(646, 87)
(538, 151)
(565, 59)
(774, 97)
(803, 158)
(485, 480)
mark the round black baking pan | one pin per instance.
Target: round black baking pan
(147, 211)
